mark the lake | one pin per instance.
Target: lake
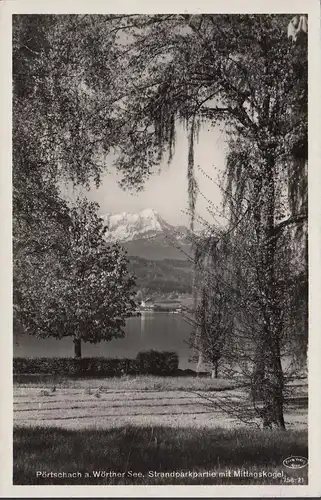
(152, 330)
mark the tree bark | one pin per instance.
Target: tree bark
(268, 373)
(272, 314)
(77, 347)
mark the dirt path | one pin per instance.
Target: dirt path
(78, 408)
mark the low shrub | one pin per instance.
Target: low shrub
(157, 363)
(146, 363)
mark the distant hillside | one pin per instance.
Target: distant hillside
(162, 276)
(158, 248)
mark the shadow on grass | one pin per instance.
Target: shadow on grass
(130, 449)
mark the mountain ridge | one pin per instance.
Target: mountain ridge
(146, 234)
(126, 226)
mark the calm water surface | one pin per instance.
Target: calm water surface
(159, 331)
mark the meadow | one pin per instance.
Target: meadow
(153, 455)
(150, 430)
(140, 382)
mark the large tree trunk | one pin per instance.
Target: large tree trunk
(77, 347)
(272, 390)
(268, 365)
(268, 384)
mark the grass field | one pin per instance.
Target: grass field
(137, 425)
(141, 382)
(145, 450)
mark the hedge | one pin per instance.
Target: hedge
(156, 362)
(147, 362)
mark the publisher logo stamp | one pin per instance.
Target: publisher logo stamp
(295, 462)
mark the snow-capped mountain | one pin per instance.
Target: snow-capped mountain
(148, 223)
(147, 234)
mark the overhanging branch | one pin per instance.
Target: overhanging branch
(294, 219)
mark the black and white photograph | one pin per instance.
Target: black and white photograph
(160, 242)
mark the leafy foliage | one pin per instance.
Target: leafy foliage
(85, 293)
(157, 363)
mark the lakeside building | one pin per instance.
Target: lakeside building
(146, 306)
(170, 307)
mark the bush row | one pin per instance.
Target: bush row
(147, 362)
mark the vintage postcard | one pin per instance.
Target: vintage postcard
(161, 248)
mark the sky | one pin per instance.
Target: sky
(167, 192)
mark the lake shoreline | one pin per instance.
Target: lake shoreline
(152, 330)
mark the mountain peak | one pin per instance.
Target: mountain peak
(128, 226)
(149, 212)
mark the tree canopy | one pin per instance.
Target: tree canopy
(102, 84)
(69, 283)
